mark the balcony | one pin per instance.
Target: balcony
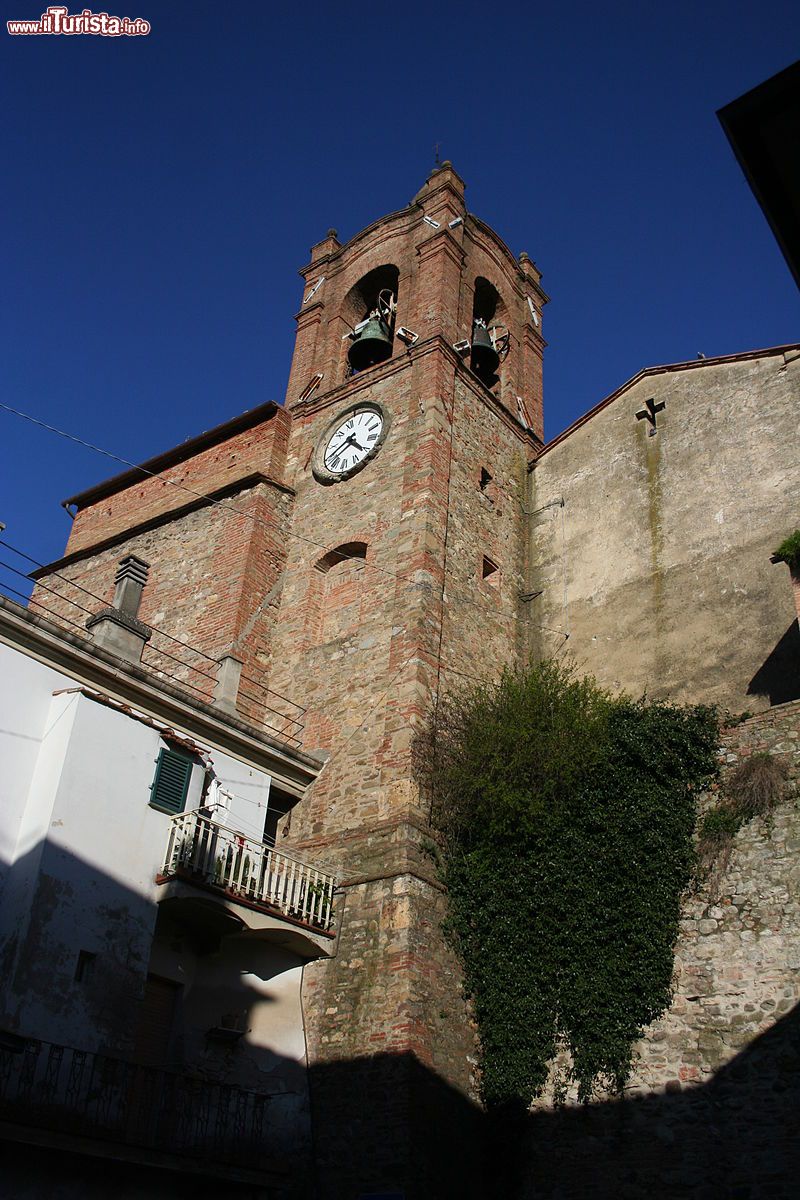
(203, 852)
(109, 1107)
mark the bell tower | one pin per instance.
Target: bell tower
(416, 401)
(359, 550)
(430, 270)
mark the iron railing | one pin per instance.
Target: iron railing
(95, 1096)
(166, 656)
(203, 850)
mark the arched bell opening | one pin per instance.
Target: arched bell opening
(369, 309)
(489, 339)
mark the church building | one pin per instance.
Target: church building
(396, 526)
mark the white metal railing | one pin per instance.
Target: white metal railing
(208, 852)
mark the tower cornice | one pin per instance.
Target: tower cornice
(350, 389)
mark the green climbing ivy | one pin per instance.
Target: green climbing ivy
(566, 817)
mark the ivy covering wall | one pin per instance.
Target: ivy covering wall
(566, 817)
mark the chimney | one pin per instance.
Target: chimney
(118, 628)
(227, 688)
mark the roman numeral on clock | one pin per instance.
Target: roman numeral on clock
(353, 442)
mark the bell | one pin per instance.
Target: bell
(484, 359)
(373, 345)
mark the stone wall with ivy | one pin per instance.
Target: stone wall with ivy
(711, 1109)
(737, 962)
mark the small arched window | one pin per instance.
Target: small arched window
(341, 554)
(342, 591)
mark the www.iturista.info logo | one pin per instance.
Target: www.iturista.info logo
(59, 20)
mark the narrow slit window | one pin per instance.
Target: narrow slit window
(486, 479)
(84, 966)
(490, 571)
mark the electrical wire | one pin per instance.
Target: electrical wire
(445, 592)
(158, 653)
(156, 629)
(239, 512)
(181, 486)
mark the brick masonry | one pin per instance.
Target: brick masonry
(363, 643)
(214, 585)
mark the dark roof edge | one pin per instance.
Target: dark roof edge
(742, 356)
(168, 458)
(748, 122)
(166, 517)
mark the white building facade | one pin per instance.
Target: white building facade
(152, 942)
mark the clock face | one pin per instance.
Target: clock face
(353, 441)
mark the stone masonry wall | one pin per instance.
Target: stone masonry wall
(485, 524)
(711, 1108)
(366, 644)
(658, 564)
(737, 964)
(359, 644)
(367, 1103)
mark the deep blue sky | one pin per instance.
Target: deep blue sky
(161, 192)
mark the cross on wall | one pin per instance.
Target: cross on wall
(648, 413)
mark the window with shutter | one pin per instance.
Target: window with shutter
(171, 783)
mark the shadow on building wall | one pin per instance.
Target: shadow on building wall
(386, 1126)
(778, 677)
(735, 1138)
(102, 1091)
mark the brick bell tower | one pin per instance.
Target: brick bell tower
(416, 402)
(359, 549)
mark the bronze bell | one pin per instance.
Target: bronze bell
(372, 345)
(484, 359)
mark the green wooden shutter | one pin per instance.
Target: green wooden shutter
(169, 788)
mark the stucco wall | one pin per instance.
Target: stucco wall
(81, 850)
(658, 564)
(24, 705)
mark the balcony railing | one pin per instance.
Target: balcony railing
(74, 1092)
(206, 852)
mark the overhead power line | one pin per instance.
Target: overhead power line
(252, 517)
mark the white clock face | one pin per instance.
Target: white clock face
(353, 441)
